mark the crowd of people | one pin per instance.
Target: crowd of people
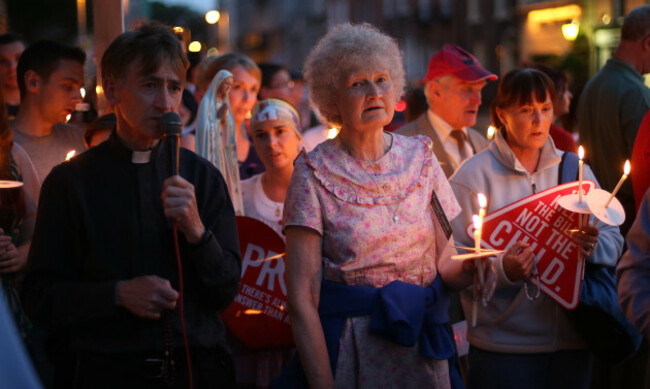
(119, 247)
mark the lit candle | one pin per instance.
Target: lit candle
(490, 132)
(70, 154)
(478, 224)
(482, 203)
(477, 262)
(581, 154)
(332, 133)
(626, 171)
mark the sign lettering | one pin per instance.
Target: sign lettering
(541, 222)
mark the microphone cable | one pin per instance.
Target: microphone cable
(181, 305)
(171, 124)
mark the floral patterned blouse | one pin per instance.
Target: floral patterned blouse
(374, 217)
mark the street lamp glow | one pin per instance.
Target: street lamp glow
(212, 17)
(606, 18)
(570, 30)
(194, 47)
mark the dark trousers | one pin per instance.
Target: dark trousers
(569, 369)
(212, 368)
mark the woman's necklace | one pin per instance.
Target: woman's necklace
(264, 180)
(360, 162)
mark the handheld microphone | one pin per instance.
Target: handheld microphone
(171, 126)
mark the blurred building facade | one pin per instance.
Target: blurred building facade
(501, 33)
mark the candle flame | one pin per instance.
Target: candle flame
(627, 167)
(581, 152)
(70, 154)
(252, 312)
(490, 132)
(332, 133)
(67, 118)
(478, 223)
(482, 200)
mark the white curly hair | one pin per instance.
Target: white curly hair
(345, 47)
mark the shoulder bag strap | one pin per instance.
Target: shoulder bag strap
(568, 169)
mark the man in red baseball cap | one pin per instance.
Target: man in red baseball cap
(453, 87)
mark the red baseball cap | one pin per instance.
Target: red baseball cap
(457, 62)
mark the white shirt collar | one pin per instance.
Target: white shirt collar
(140, 157)
(441, 126)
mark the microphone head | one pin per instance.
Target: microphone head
(171, 123)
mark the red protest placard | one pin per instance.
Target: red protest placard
(258, 316)
(540, 221)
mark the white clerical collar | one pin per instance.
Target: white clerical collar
(141, 156)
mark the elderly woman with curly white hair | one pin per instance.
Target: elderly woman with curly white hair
(368, 237)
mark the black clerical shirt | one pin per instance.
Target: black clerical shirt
(100, 221)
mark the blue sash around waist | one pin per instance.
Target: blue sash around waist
(405, 314)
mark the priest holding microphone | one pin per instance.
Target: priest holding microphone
(130, 265)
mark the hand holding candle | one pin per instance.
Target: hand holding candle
(626, 172)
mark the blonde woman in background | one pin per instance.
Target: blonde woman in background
(276, 136)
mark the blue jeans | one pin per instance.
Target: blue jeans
(570, 369)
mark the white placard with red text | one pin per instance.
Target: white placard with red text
(540, 221)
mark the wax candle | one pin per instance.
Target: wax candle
(626, 172)
(581, 154)
(477, 262)
(478, 227)
(477, 232)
